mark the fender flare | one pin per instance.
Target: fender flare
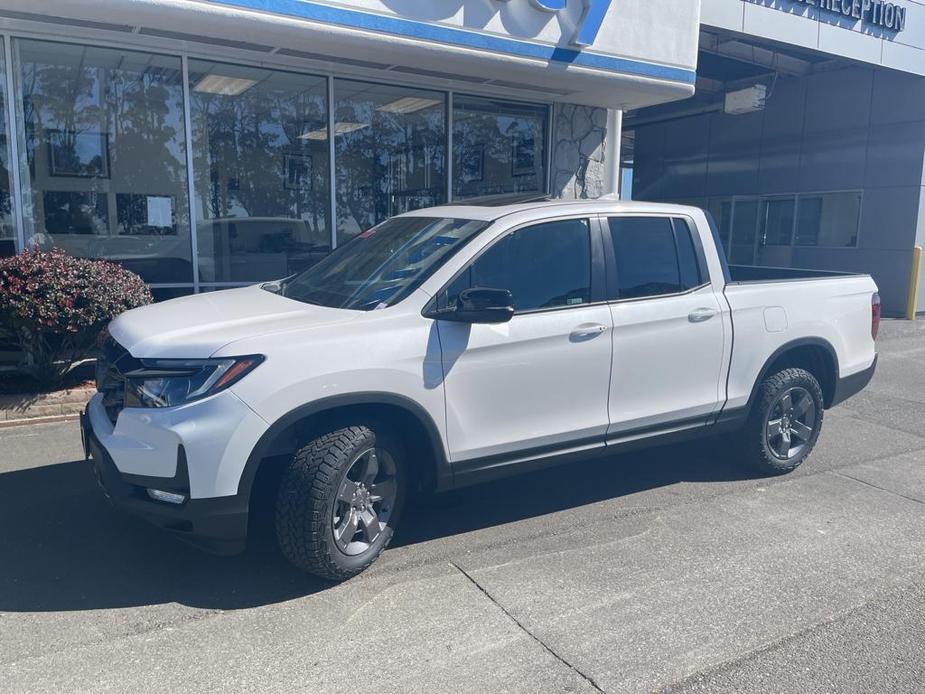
(783, 349)
(443, 473)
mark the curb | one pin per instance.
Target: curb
(23, 408)
(8, 423)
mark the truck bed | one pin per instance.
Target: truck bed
(743, 274)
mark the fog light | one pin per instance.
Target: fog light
(167, 497)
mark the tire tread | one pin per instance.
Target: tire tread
(302, 525)
(753, 435)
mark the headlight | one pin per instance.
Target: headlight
(171, 382)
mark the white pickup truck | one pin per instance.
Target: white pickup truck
(457, 344)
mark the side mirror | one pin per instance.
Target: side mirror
(481, 305)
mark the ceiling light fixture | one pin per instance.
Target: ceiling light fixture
(409, 104)
(223, 85)
(339, 129)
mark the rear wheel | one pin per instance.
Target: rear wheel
(339, 501)
(784, 423)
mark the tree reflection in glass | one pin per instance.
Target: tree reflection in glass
(499, 147)
(105, 172)
(390, 152)
(261, 161)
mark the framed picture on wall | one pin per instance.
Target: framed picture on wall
(299, 169)
(523, 154)
(75, 212)
(78, 154)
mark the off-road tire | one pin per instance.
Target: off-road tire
(306, 497)
(752, 439)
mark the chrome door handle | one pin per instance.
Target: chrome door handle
(699, 315)
(588, 330)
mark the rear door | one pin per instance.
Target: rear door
(540, 382)
(668, 338)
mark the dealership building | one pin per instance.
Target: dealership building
(209, 144)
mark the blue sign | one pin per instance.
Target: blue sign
(589, 24)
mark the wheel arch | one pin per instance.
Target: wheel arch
(814, 354)
(418, 429)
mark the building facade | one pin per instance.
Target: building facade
(827, 172)
(214, 143)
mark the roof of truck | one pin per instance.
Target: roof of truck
(492, 209)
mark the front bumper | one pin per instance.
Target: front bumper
(218, 525)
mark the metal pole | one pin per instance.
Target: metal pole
(550, 155)
(911, 304)
(332, 174)
(190, 179)
(449, 147)
(12, 126)
(612, 144)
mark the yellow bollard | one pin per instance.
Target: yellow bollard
(914, 282)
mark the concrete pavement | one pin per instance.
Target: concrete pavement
(670, 569)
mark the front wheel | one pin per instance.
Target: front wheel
(339, 501)
(784, 423)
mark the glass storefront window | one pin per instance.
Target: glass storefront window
(390, 152)
(105, 162)
(498, 147)
(828, 219)
(262, 171)
(7, 228)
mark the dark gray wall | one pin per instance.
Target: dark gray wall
(849, 129)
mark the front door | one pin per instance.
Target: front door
(540, 382)
(668, 340)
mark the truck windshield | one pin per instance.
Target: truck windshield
(383, 265)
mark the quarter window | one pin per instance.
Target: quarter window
(544, 266)
(653, 260)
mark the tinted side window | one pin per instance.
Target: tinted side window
(654, 256)
(647, 259)
(544, 266)
(687, 255)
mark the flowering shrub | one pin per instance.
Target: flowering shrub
(53, 306)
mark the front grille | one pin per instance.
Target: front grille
(113, 361)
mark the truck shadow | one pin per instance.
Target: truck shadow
(63, 548)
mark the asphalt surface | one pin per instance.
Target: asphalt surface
(672, 569)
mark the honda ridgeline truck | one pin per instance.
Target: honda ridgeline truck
(458, 344)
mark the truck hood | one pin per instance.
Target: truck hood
(195, 327)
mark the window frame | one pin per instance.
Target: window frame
(437, 304)
(734, 200)
(613, 279)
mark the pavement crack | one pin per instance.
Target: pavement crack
(877, 486)
(520, 625)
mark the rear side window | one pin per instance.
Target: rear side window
(654, 256)
(544, 266)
